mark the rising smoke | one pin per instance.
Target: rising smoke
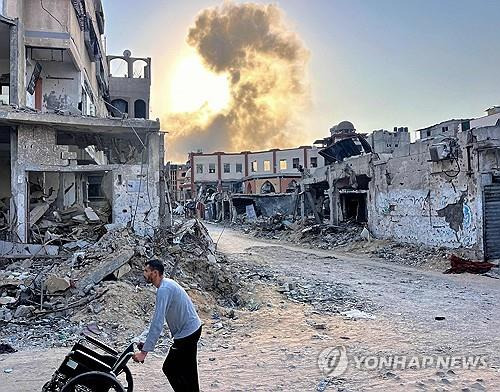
(266, 67)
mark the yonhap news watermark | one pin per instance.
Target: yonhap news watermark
(335, 361)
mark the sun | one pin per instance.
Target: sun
(193, 86)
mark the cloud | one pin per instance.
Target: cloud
(266, 67)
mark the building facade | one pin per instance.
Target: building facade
(272, 171)
(59, 148)
(442, 190)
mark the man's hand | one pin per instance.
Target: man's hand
(139, 356)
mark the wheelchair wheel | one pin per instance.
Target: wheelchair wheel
(124, 377)
(93, 382)
(126, 380)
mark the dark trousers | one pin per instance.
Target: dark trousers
(180, 366)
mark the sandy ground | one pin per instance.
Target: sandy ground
(276, 347)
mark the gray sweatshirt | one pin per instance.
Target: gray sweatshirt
(174, 306)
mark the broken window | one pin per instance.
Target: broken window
(199, 168)
(291, 186)
(95, 191)
(267, 165)
(140, 109)
(267, 187)
(227, 168)
(211, 167)
(102, 149)
(254, 166)
(295, 163)
(239, 168)
(314, 162)
(283, 164)
(444, 129)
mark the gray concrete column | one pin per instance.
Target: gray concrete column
(19, 193)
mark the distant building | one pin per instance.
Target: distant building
(385, 142)
(271, 171)
(491, 119)
(445, 128)
(180, 185)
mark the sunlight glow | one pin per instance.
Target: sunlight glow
(194, 86)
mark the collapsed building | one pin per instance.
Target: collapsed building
(441, 190)
(77, 149)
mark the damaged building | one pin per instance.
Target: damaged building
(73, 159)
(442, 190)
(226, 184)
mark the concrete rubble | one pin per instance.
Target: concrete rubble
(347, 237)
(100, 290)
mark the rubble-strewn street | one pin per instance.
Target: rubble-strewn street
(293, 303)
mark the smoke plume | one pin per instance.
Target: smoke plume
(266, 67)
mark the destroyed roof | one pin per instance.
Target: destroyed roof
(345, 148)
(12, 116)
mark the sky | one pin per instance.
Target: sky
(376, 63)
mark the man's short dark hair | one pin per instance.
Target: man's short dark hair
(156, 265)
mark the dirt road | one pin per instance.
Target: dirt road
(309, 300)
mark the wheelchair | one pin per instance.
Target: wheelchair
(85, 369)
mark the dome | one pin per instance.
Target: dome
(345, 126)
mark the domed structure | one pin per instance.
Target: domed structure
(343, 127)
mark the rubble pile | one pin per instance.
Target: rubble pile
(347, 236)
(412, 255)
(325, 297)
(281, 227)
(65, 226)
(99, 288)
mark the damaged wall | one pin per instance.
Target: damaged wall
(414, 199)
(435, 203)
(135, 190)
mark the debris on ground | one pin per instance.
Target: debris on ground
(460, 265)
(96, 285)
(346, 236)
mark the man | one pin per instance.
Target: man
(174, 306)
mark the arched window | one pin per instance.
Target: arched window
(119, 106)
(139, 109)
(267, 187)
(118, 68)
(291, 186)
(139, 68)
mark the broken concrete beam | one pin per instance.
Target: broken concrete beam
(37, 212)
(113, 262)
(79, 219)
(55, 284)
(123, 270)
(91, 215)
(14, 248)
(69, 155)
(70, 212)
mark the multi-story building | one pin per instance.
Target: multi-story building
(271, 171)
(385, 142)
(448, 128)
(59, 148)
(180, 186)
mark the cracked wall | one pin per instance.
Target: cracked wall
(422, 203)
